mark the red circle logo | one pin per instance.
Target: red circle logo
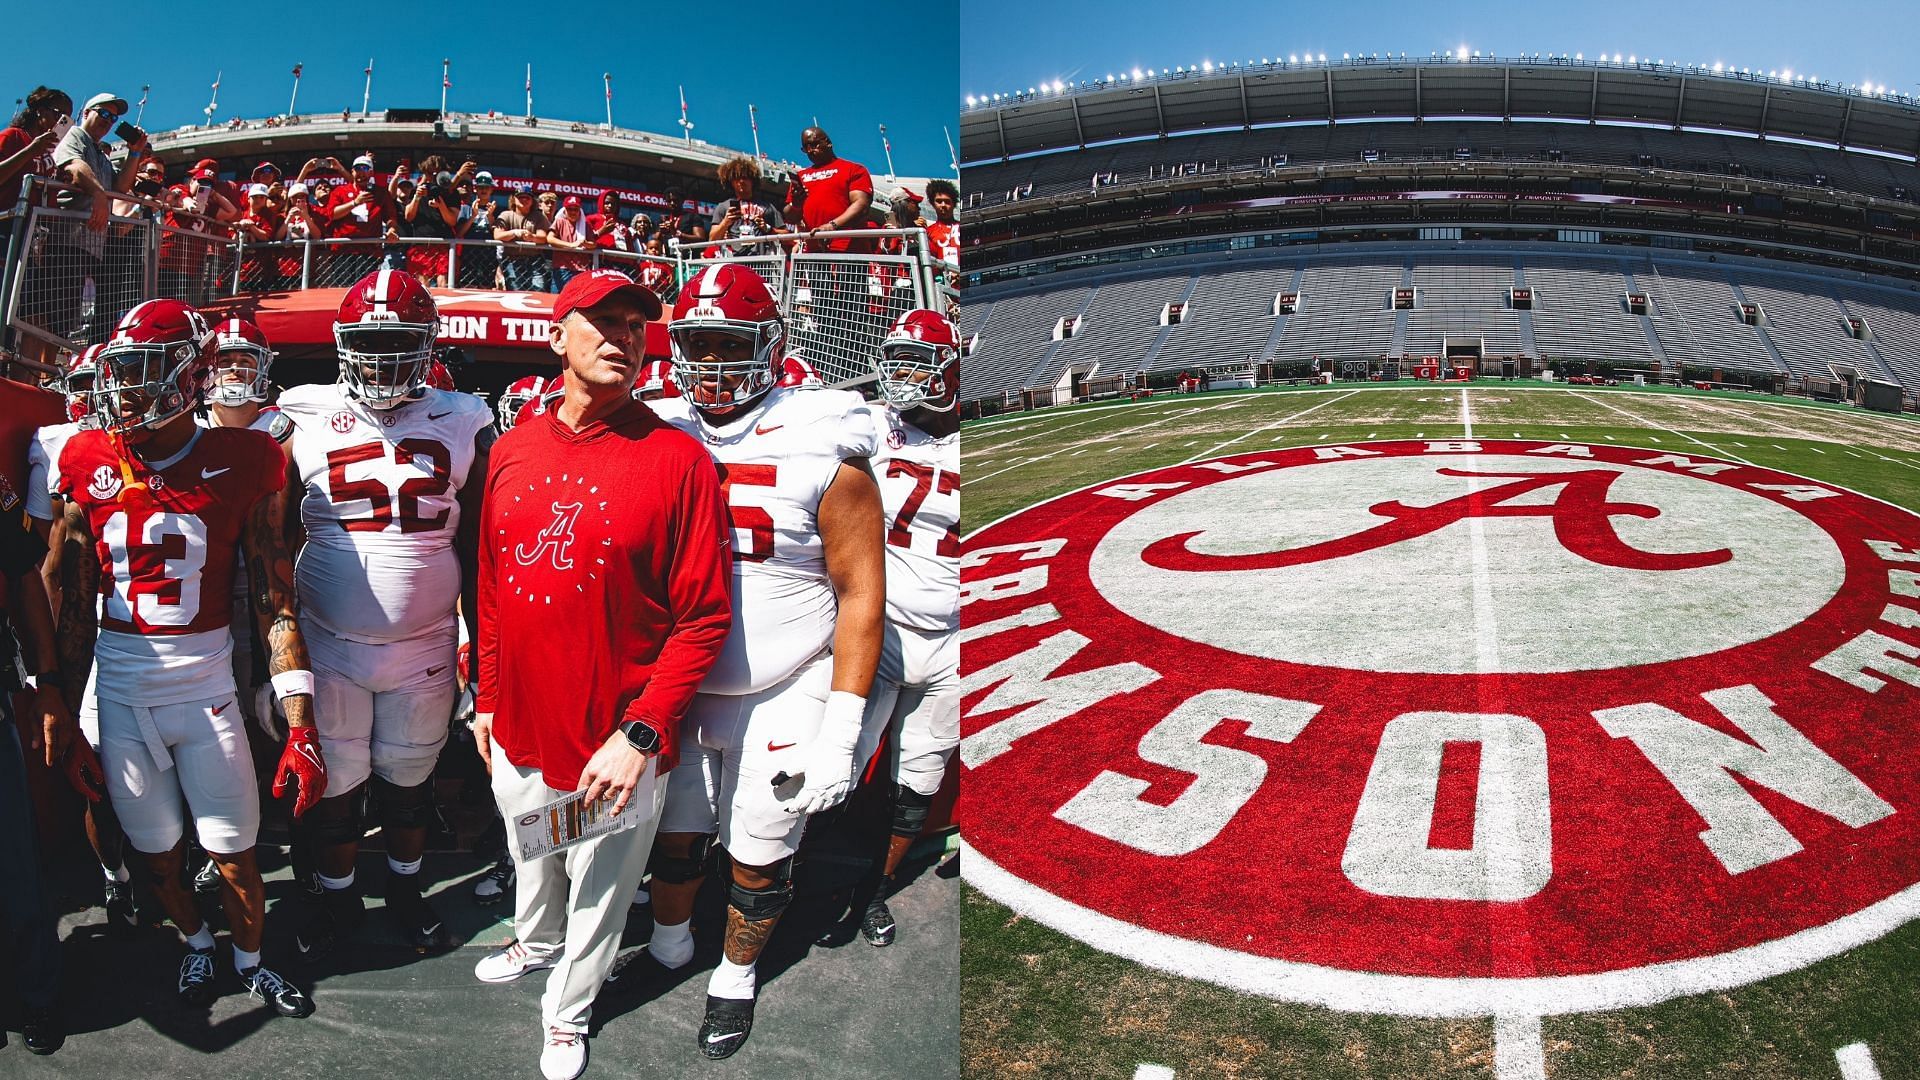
(1449, 727)
(341, 421)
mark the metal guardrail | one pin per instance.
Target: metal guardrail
(839, 305)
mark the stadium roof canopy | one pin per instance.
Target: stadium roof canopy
(1560, 88)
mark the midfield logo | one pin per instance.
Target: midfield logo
(1499, 723)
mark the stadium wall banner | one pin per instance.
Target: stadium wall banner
(1449, 727)
(469, 317)
(590, 193)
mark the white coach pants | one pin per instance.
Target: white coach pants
(574, 902)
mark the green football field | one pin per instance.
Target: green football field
(1038, 1003)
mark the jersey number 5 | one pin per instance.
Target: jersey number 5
(373, 489)
(755, 520)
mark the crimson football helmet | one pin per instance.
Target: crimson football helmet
(726, 299)
(385, 331)
(920, 362)
(515, 397)
(440, 376)
(656, 381)
(83, 368)
(797, 372)
(242, 357)
(154, 368)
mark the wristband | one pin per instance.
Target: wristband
(288, 683)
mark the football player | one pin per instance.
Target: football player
(159, 505)
(656, 382)
(770, 738)
(383, 463)
(916, 693)
(522, 392)
(45, 513)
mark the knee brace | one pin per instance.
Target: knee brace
(680, 869)
(404, 807)
(909, 811)
(335, 822)
(759, 905)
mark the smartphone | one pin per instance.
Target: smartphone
(126, 131)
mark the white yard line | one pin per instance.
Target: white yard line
(1641, 421)
(1810, 438)
(1517, 1050)
(1466, 414)
(1152, 1072)
(1204, 454)
(1856, 1062)
(1009, 468)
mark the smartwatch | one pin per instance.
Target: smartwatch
(641, 737)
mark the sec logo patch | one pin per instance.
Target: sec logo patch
(1448, 728)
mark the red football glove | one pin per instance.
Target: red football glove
(83, 770)
(301, 760)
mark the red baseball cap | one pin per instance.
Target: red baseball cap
(206, 163)
(589, 289)
(266, 166)
(201, 172)
(572, 202)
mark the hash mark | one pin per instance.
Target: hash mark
(1195, 442)
(1076, 453)
(1816, 450)
(1152, 1072)
(1371, 434)
(1856, 1062)
(1150, 446)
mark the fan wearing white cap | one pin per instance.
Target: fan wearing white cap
(360, 209)
(77, 248)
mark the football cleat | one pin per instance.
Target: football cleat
(43, 1030)
(122, 918)
(418, 921)
(196, 978)
(279, 995)
(337, 914)
(877, 925)
(723, 1031)
(497, 885)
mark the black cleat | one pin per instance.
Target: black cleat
(207, 881)
(336, 915)
(877, 925)
(497, 885)
(123, 920)
(418, 921)
(724, 1029)
(196, 978)
(280, 995)
(43, 1030)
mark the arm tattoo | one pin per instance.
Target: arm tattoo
(276, 604)
(79, 584)
(746, 937)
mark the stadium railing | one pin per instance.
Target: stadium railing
(838, 304)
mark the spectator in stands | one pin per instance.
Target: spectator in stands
(523, 225)
(479, 262)
(357, 210)
(26, 148)
(320, 175)
(191, 236)
(832, 193)
(639, 230)
(604, 227)
(260, 224)
(234, 194)
(299, 225)
(681, 221)
(745, 214)
(78, 251)
(567, 237)
(943, 231)
(266, 173)
(433, 213)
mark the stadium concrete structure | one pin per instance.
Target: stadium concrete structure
(1513, 215)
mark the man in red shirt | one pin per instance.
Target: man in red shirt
(360, 209)
(831, 193)
(944, 232)
(604, 599)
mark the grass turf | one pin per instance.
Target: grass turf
(1036, 1003)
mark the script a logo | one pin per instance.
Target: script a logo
(1582, 522)
(554, 542)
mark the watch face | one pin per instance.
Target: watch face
(644, 739)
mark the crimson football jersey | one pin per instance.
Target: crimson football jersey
(167, 554)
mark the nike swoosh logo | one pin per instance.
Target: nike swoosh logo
(432, 671)
(208, 474)
(221, 709)
(711, 1039)
(772, 749)
(767, 430)
(436, 416)
(302, 946)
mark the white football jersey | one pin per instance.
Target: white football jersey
(775, 464)
(919, 479)
(43, 468)
(381, 507)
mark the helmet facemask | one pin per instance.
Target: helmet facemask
(78, 386)
(143, 385)
(718, 387)
(384, 363)
(917, 375)
(240, 373)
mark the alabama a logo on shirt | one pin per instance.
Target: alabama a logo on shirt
(557, 509)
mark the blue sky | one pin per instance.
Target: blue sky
(1010, 45)
(792, 62)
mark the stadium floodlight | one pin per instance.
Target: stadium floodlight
(1463, 52)
(1630, 59)
(970, 101)
(1346, 56)
(1323, 58)
(1718, 67)
(1208, 66)
(1057, 87)
(1579, 56)
(1292, 59)
(1136, 75)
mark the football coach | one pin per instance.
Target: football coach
(605, 567)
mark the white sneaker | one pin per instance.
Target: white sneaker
(564, 1057)
(508, 964)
